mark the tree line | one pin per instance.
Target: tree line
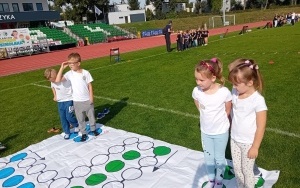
(77, 9)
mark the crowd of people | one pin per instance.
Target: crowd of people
(223, 113)
(290, 18)
(192, 38)
(186, 39)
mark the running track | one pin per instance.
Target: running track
(39, 61)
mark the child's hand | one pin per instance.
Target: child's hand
(54, 98)
(252, 153)
(65, 64)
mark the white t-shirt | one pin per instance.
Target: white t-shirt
(63, 91)
(213, 117)
(244, 116)
(79, 83)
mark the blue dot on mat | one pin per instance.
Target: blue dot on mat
(4, 173)
(27, 185)
(15, 180)
(18, 157)
(73, 135)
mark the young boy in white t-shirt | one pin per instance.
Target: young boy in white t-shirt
(62, 93)
(83, 97)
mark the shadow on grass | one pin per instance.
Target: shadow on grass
(114, 110)
(7, 140)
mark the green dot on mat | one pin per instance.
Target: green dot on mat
(131, 155)
(114, 166)
(95, 179)
(161, 150)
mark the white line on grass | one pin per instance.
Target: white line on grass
(11, 88)
(278, 131)
(128, 61)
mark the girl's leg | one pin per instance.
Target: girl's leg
(237, 163)
(247, 166)
(209, 153)
(220, 144)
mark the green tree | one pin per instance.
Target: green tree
(149, 15)
(134, 4)
(82, 8)
(147, 2)
(215, 5)
(200, 6)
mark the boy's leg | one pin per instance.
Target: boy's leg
(70, 114)
(63, 119)
(220, 143)
(79, 111)
(90, 112)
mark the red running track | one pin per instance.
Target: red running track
(39, 61)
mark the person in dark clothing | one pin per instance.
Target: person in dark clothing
(179, 41)
(167, 34)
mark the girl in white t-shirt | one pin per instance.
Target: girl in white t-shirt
(249, 115)
(213, 101)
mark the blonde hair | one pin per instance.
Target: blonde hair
(48, 72)
(210, 68)
(74, 55)
(245, 71)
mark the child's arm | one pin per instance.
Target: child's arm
(54, 94)
(261, 119)
(59, 76)
(91, 92)
(197, 104)
(228, 106)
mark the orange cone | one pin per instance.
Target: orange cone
(271, 62)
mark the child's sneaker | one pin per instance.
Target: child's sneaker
(95, 133)
(100, 115)
(83, 138)
(2, 147)
(218, 184)
(67, 136)
(106, 111)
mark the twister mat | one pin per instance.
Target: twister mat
(114, 159)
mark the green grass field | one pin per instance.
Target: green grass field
(149, 93)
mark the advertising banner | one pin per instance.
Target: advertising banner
(14, 40)
(150, 33)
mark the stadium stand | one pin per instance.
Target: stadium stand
(54, 36)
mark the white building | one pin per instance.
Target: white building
(121, 14)
(25, 13)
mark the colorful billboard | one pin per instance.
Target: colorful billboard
(15, 40)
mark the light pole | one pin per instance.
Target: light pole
(224, 4)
